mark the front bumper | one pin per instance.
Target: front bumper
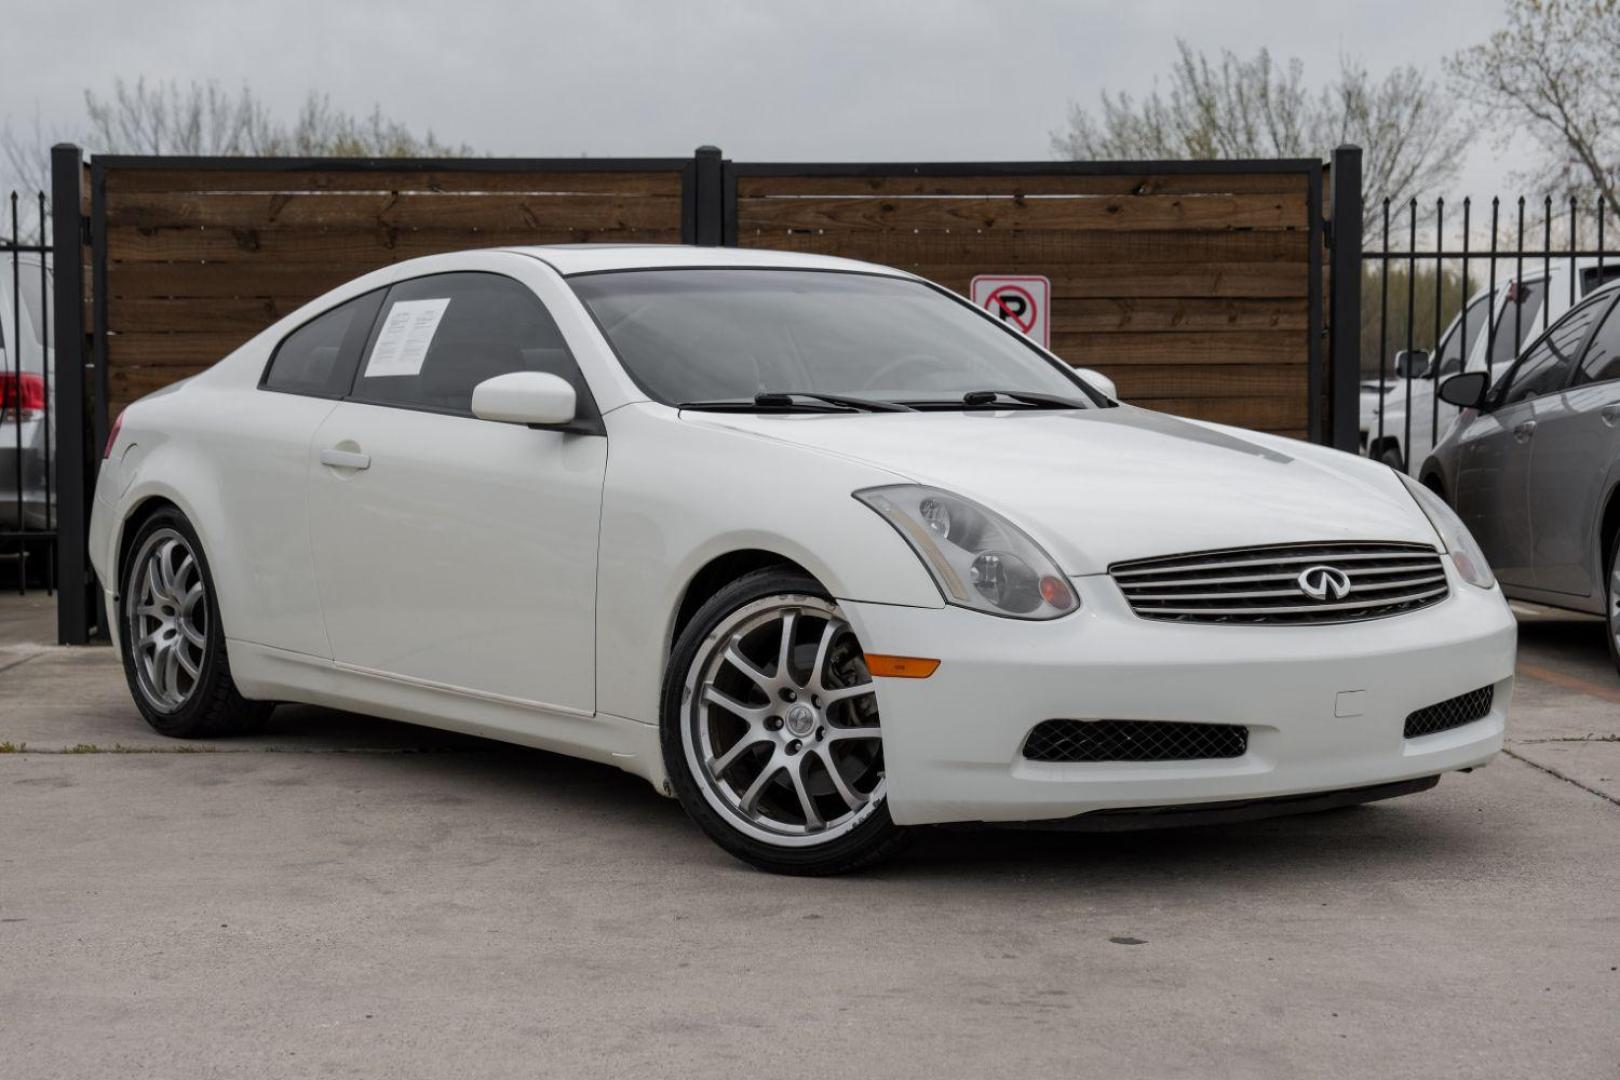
(1325, 705)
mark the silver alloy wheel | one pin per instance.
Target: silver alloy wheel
(166, 619)
(780, 724)
(1614, 604)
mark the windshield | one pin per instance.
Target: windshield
(728, 335)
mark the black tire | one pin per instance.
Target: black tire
(210, 704)
(869, 839)
(1611, 601)
(1391, 455)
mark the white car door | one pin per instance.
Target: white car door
(453, 551)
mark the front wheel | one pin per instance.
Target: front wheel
(770, 729)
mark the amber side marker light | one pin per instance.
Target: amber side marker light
(900, 667)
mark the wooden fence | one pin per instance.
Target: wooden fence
(1196, 286)
(1192, 289)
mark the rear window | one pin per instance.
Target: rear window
(318, 358)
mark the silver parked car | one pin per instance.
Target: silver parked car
(26, 413)
(1532, 464)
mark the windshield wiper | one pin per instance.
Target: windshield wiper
(982, 399)
(785, 397)
(790, 399)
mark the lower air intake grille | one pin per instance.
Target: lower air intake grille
(1133, 740)
(1331, 582)
(1452, 713)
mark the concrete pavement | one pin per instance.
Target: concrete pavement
(326, 900)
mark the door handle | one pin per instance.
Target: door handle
(1522, 433)
(1610, 414)
(345, 459)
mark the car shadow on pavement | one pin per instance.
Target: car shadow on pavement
(564, 793)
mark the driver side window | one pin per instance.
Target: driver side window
(1546, 368)
(439, 336)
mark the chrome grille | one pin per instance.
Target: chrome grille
(1451, 713)
(1262, 584)
(1134, 740)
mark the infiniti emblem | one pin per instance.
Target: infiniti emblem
(1324, 583)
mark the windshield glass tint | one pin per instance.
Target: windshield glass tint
(711, 335)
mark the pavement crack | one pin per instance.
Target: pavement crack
(19, 661)
(1605, 796)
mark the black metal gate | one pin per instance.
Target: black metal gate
(27, 405)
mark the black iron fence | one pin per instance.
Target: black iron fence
(1447, 289)
(27, 402)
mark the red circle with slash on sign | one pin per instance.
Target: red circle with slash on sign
(1014, 304)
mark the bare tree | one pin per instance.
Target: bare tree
(1550, 74)
(1239, 108)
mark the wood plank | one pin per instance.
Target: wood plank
(1144, 383)
(235, 210)
(228, 315)
(1251, 347)
(1155, 315)
(1261, 414)
(1091, 282)
(124, 181)
(207, 279)
(193, 351)
(382, 244)
(894, 185)
(997, 252)
(1127, 212)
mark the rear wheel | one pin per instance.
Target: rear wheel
(771, 734)
(1611, 605)
(174, 648)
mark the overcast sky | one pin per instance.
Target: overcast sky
(812, 80)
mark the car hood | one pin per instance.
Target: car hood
(1098, 486)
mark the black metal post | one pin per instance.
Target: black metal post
(709, 214)
(1344, 356)
(74, 594)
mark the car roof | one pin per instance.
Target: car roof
(568, 259)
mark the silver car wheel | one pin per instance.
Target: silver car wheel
(166, 620)
(780, 724)
(1614, 605)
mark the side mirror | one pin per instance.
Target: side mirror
(1411, 363)
(1466, 391)
(525, 397)
(1098, 382)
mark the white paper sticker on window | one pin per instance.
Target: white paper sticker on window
(403, 342)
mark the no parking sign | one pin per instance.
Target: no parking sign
(1023, 301)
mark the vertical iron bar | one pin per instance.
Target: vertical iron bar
(48, 360)
(1546, 261)
(1344, 372)
(1411, 311)
(1439, 305)
(1600, 240)
(1574, 226)
(1518, 285)
(1318, 385)
(67, 252)
(1491, 317)
(1383, 331)
(17, 393)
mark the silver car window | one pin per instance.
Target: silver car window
(1547, 366)
(1602, 360)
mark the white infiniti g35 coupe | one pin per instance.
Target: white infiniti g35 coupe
(812, 545)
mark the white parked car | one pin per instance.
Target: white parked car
(813, 545)
(1414, 419)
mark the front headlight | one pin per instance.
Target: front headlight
(978, 558)
(1454, 535)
